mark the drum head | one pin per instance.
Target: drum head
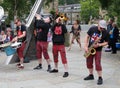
(1, 12)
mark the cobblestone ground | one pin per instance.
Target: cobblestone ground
(11, 77)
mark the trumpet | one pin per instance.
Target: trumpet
(62, 17)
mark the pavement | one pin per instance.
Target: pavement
(11, 77)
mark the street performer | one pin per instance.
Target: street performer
(94, 33)
(21, 37)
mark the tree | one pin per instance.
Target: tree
(62, 2)
(89, 9)
(17, 8)
(113, 8)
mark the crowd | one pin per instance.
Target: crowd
(6, 35)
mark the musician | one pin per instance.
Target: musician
(42, 28)
(75, 30)
(21, 37)
(58, 31)
(99, 34)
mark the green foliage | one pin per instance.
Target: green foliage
(105, 3)
(89, 8)
(62, 2)
(18, 8)
(112, 8)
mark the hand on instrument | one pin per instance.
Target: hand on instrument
(15, 39)
(86, 49)
(37, 16)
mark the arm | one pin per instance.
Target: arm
(23, 35)
(102, 44)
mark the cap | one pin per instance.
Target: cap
(102, 24)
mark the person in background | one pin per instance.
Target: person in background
(58, 40)
(9, 37)
(75, 30)
(10, 30)
(3, 37)
(21, 37)
(109, 28)
(42, 28)
(114, 34)
(97, 36)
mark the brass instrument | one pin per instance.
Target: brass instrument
(91, 51)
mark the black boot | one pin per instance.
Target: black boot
(49, 68)
(89, 77)
(54, 71)
(66, 74)
(100, 81)
(38, 67)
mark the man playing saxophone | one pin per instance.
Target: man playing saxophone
(97, 37)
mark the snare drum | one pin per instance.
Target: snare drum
(16, 45)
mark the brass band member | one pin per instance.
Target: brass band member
(21, 37)
(58, 31)
(42, 28)
(96, 33)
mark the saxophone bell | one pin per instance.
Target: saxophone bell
(91, 51)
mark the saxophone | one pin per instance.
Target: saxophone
(91, 49)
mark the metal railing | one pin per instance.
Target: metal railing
(35, 9)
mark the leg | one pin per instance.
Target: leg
(20, 55)
(98, 63)
(64, 60)
(78, 41)
(98, 67)
(39, 55)
(46, 55)
(114, 49)
(72, 41)
(55, 56)
(89, 63)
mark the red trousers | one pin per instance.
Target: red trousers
(61, 49)
(97, 58)
(21, 50)
(42, 48)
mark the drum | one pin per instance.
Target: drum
(16, 45)
(9, 50)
